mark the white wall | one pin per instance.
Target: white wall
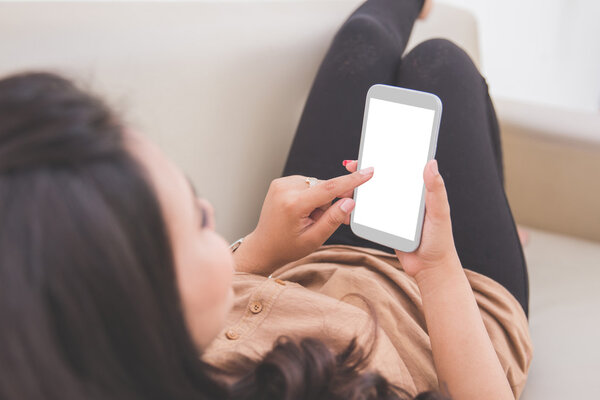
(545, 51)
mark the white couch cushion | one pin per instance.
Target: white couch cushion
(219, 85)
(564, 275)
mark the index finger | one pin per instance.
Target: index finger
(329, 189)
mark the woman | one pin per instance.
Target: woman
(114, 284)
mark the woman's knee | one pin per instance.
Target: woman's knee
(363, 41)
(440, 60)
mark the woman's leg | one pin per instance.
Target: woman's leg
(470, 160)
(362, 54)
(366, 50)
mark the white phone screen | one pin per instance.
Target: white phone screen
(396, 143)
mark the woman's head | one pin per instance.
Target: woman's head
(203, 262)
(105, 254)
(112, 278)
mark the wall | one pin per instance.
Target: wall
(544, 51)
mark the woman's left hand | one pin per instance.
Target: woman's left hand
(296, 220)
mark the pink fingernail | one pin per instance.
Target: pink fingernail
(366, 171)
(347, 205)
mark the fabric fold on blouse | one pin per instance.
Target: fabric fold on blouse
(328, 295)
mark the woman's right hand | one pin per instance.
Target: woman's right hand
(437, 243)
(466, 362)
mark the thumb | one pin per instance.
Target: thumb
(436, 198)
(335, 215)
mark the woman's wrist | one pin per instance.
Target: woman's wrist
(429, 278)
(241, 258)
(248, 257)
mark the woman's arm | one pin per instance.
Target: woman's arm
(466, 362)
(464, 357)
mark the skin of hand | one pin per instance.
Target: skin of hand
(456, 330)
(296, 219)
(437, 243)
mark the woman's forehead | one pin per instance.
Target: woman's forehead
(167, 179)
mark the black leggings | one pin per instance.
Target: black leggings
(367, 49)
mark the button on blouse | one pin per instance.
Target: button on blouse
(314, 297)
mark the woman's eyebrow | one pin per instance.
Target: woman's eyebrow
(201, 210)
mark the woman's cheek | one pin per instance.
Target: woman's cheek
(221, 268)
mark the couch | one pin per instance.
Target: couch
(220, 86)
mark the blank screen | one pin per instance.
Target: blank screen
(396, 143)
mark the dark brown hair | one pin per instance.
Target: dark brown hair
(88, 297)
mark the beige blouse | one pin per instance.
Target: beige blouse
(309, 297)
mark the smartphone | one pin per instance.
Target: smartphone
(399, 135)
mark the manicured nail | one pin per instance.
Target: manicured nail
(346, 162)
(366, 171)
(434, 167)
(347, 205)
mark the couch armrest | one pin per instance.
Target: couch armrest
(552, 167)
